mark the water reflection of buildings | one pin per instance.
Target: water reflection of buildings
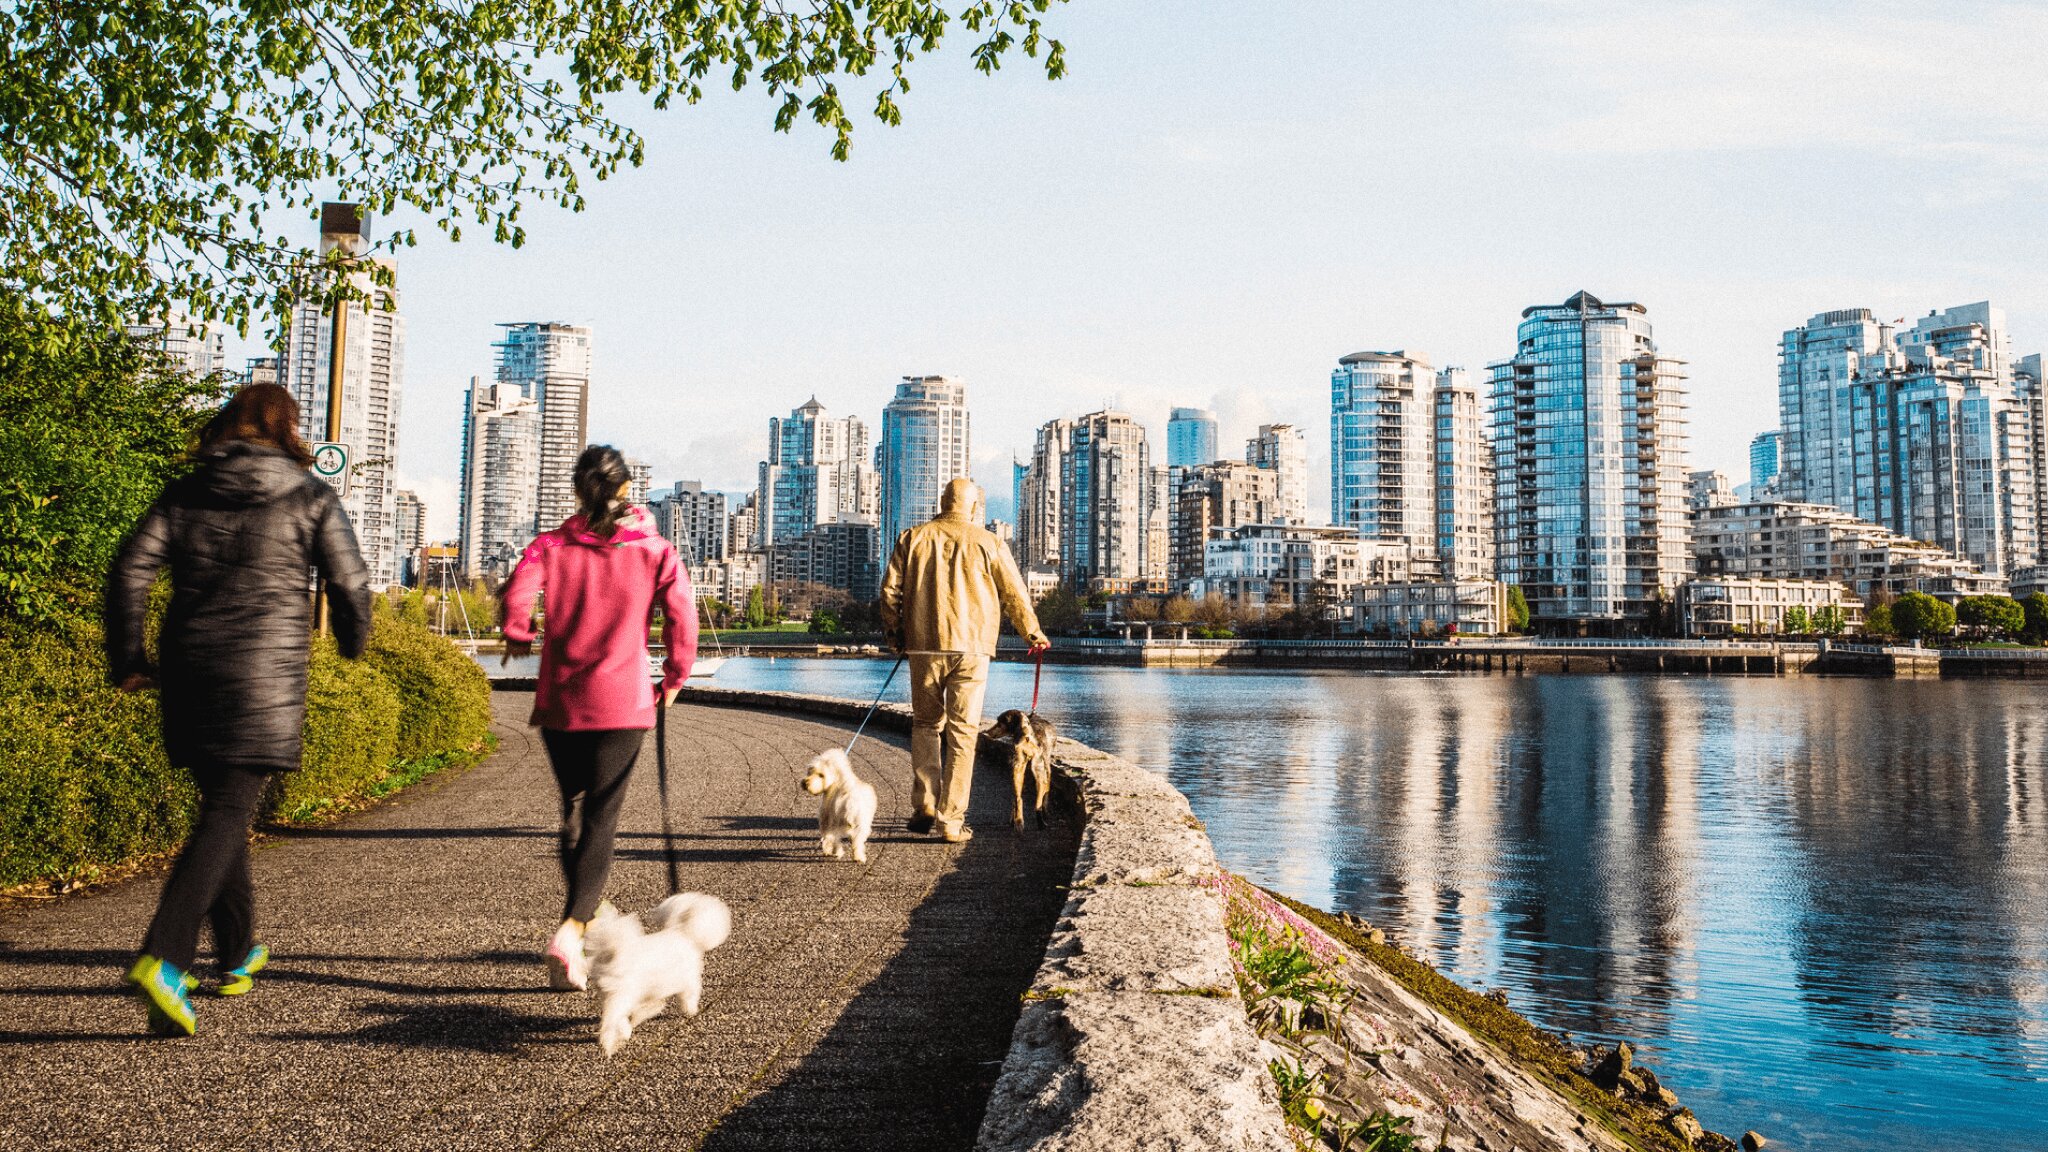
(1934, 834)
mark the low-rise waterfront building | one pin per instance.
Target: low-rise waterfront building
(1756, 605)
(1279, 566)
(1461, 607)
(844, 556)
(730, 579)
(1793, 541)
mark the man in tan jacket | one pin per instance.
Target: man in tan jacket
(949, 582)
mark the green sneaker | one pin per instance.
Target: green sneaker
(236, 981)
(168, 993)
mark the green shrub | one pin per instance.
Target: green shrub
(444, 696)
(84, 784)
(351, 735)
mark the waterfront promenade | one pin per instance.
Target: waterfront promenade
(854, 1007)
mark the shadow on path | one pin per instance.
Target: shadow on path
(956, 985)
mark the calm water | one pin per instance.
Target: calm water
(1820, 908)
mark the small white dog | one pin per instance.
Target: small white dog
(846, 805)
(638, 971)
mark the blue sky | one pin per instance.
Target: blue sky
(1224, 198)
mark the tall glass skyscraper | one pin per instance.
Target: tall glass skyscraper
(1589, 449)
(1381, 471)
(1763, 462)
(1106, 500)
(925, 443)
(550, 364)
(816, 473)
(1924, 431)
(500, 477)
(1190, 438)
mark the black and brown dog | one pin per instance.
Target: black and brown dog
(1030, 737)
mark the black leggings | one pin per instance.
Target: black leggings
(592, 769)
(211, 879)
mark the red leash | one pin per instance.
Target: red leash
(1037, 674)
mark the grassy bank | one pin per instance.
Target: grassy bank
(86, 791)
(1541, 1053)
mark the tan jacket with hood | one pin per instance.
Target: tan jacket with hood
(950, 581)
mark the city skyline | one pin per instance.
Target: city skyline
(1217, 268)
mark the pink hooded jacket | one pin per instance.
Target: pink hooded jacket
(600, 599)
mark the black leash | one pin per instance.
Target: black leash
(877, 704)
(668, 834)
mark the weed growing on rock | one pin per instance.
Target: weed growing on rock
(1285, 975)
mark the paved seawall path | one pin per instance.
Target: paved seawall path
(854, 1007)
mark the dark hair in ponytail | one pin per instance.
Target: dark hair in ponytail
(600, 473)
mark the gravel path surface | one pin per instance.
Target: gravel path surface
(858, 1007)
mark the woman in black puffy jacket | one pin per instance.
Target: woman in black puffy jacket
(239, 535)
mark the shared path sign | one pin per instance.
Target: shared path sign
(330, 463)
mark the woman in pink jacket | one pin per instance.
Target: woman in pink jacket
(601, 575)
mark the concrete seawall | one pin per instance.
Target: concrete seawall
(1132, 1034)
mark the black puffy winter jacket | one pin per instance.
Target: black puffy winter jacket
(239, 535)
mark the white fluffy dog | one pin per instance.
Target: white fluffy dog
(638, 971)
(846, 805)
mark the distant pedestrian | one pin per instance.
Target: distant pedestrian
(600, 577)
(949, 583)
(239, 535)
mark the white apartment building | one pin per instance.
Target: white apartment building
(194, 348)
(1039, 497)
(1709, 488)
(1282, 449)
(411, 526)
(926, 442)
(1589, 455)
(1407, 608)
(693, 521)
(549, 363)
(1756, 605)
(501, 438)
(1786, 540)
(1278, 566)
(1105, 479)
(372, 375)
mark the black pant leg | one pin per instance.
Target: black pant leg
(233, 914)
(613, 755)
(571, 756)
(228, 797)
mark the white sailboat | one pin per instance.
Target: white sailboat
(705, 667)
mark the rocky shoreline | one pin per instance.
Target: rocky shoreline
(1470, 1073)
